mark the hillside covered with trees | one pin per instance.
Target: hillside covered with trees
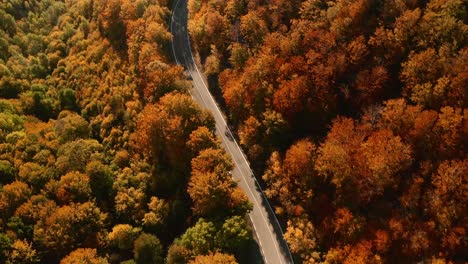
(104, 157)
(354, 115)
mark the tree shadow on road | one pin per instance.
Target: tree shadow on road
(252, 254)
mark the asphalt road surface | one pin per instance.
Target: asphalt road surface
(266, 227)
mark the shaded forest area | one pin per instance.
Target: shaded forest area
(354, 112)
(104, 157)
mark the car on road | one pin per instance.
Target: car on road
(228, 134)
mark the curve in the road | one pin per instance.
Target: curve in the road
(267, 228)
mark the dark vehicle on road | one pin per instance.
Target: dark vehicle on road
(228, 134)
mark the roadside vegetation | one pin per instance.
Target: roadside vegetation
(354, 115)
(104, 157)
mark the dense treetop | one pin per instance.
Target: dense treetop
(97, 138)
(354, 113)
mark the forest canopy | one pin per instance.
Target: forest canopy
(103, 154)
(354, 114)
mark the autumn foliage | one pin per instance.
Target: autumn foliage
(97, 138)
(354, 113)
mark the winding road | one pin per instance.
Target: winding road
(266, 226)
